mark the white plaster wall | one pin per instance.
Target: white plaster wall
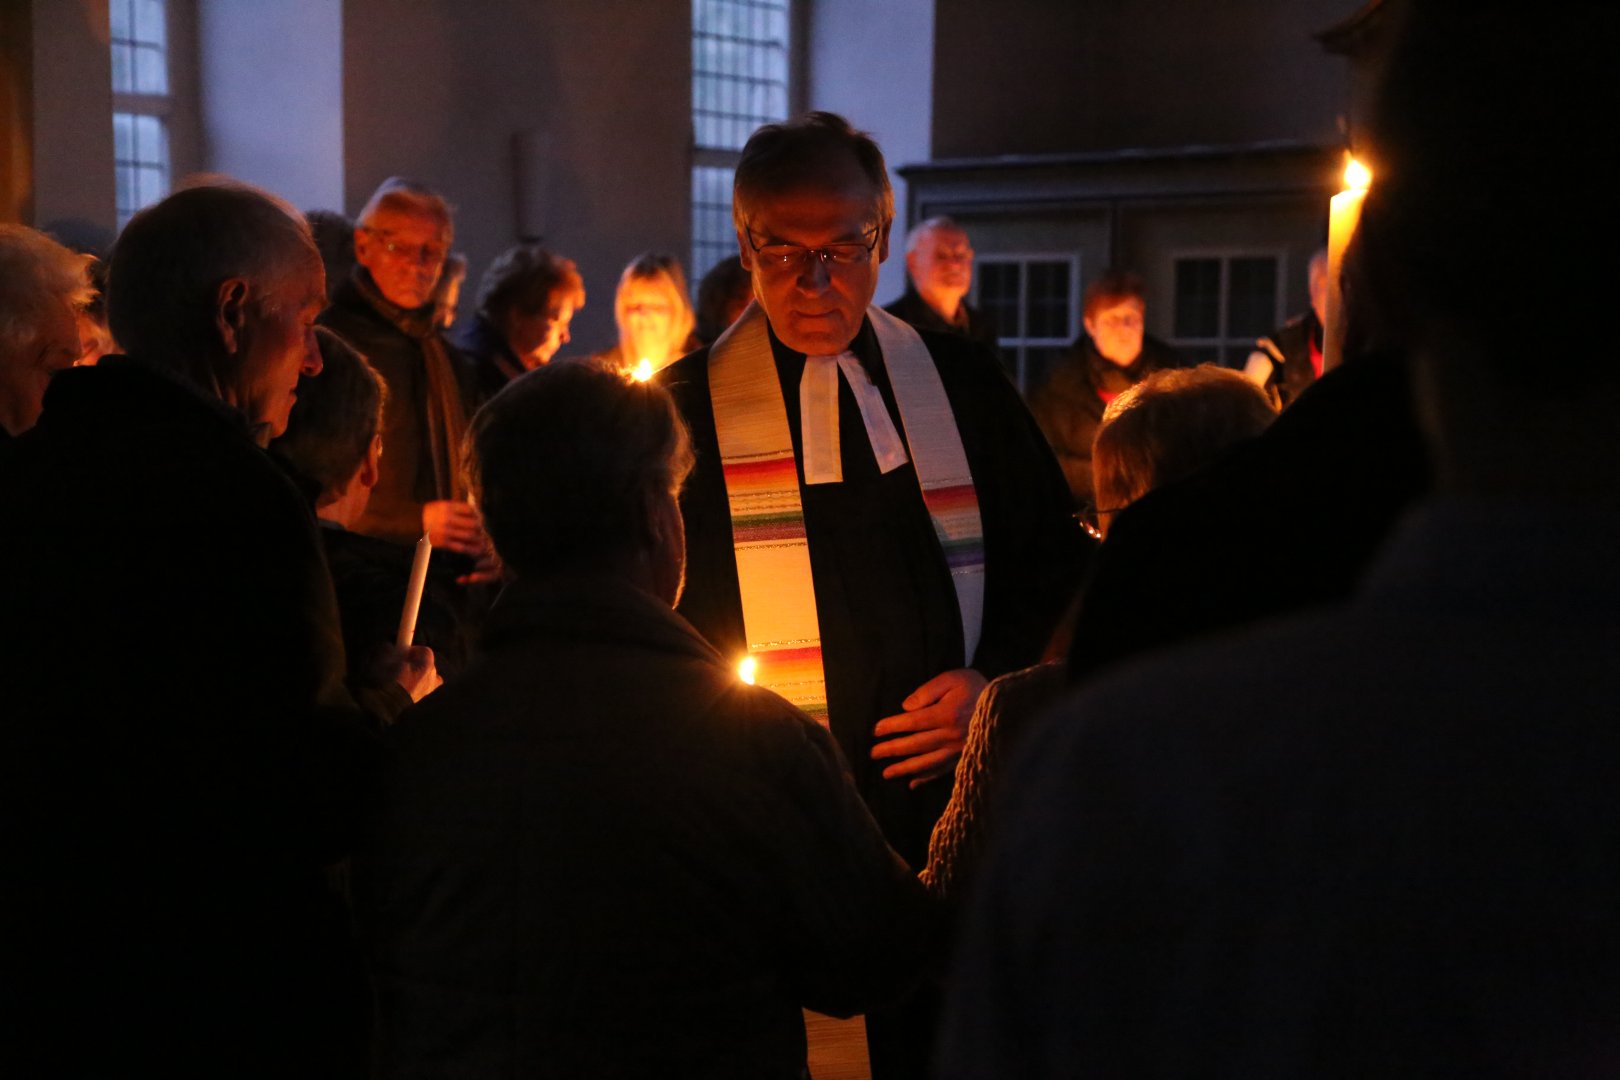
(271, 95)
(874, 64)
(600, 93)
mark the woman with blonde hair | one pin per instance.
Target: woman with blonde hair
(654, 316)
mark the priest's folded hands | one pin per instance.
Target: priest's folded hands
(928, 736)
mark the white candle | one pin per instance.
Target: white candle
(413, 593)
(1343, 214)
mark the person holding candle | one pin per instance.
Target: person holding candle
(1376, 838)
(333, 446)
(183, 762)
(873, 518)
(600, 853)
(526, 301)
(654, 316)
(386, 310)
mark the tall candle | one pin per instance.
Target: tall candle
(1343, 214)
(413, 593)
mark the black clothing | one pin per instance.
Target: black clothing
(180, 757)
(1289, 348)
(915, 310)
(1069, 405)
(601, 854)
(489, 361)
(371, 576)
(888, 612)
(421, 429)
(1373, 840)
(1301, 509)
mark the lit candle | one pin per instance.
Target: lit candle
(413, 593)
(1343, 214)
(642, 371)
(747, 668)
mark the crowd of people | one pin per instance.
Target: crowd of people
(780, 657)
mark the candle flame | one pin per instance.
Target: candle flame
(642, 371)
(746, 669)
(1357, 177)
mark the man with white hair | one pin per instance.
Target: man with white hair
(182, 760)
(386, 310)
(46, 286)
(939, 273)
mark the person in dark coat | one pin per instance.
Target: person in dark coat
(897, 675)
(181, 759)
(333, 448)
(1112, 355)
(526, 301)
(386, 311)
(601, 853)
(939, 273)
(1289, 359)
(1374, 839)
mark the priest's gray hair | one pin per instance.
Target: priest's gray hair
(568, 464)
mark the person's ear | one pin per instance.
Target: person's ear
(883, 241)
(745, 251)
(371, 465)
(230, 313)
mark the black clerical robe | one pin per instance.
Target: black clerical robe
(887, 608)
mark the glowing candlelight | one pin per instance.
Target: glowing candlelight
(642, 371)
(413, 593)
(1344, 213)
(747, 668)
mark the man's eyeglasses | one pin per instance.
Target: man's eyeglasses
(420, 254)
(784, 256)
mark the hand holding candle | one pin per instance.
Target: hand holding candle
(413, 594)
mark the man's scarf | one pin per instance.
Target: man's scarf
(767, 516)
(446, 417)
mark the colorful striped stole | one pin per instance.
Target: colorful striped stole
(767, 516)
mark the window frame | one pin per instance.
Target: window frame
(160, 106)
(1019, 342)
(1227, 345)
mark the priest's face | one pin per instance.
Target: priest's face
(813, 253)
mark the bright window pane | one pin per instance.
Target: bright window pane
(151, 71)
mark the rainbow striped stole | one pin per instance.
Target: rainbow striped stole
(767, 516)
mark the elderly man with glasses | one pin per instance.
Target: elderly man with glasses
(875, 526)
(386, 311)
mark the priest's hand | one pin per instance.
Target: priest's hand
(455, 525)
(929, 735)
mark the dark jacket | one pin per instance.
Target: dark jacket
(1290, 349)
(180, 758)
(1069, 405)
(888, 612)
(490, 361)
(407, 479)
(602, 855)
(916, 311)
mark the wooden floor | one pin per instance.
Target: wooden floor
(837, 1047)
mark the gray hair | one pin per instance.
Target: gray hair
(567, 463)
(39, 275)
(940, 223)
(406, 196)
(783, 157)
(164, 274)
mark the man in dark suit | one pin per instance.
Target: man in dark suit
(1375, 840)
(182, 761)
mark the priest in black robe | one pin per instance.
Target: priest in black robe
(813, 206)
